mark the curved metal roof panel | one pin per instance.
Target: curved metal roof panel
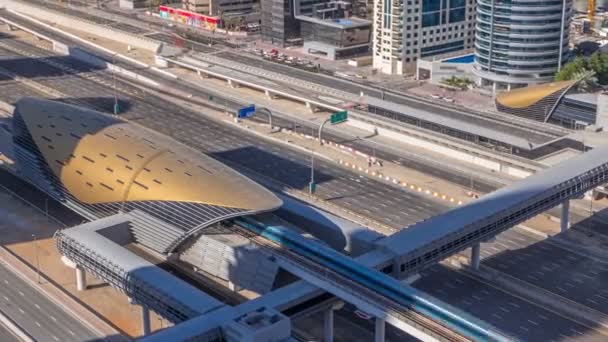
(102, 159)
(528, 96)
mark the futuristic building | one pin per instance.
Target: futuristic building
(535, 102)
(100, 165)
(520, 42)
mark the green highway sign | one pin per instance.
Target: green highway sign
(338, 117)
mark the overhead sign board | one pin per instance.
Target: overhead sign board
(338, 117)
(246, 112)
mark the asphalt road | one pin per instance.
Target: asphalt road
(36, 314)
(538, 134)
(522, 319)
(436, 169)
(545, 265)
(383, 202)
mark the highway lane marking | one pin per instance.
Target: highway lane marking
(543, 317)
(38, 324)
(55, 338)
(53, 318)
(21, 310)
(524, 328)
(6, 298)
(561, 289)
(576, 331)
(514, 305)
(504, 309)
(533, 322)
(591, 300)
(71, 332)
(37, 306)
(476, 297)
(21, 293)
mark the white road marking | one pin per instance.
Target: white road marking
(6, 299)
(514, 305)
(533, 322)
(21, 293)
(37, 306)
(21, 310)
(504, 309)
(38, 324)
(54, 319)
(55, 338)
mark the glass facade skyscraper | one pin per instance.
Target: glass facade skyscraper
(520, 42)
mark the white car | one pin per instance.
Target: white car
(435, 96)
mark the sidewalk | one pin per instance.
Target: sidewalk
(27, 240)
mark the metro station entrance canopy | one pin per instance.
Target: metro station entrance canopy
(100, 165)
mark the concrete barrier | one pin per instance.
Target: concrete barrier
(81, 24)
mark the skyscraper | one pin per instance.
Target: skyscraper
(520, 42)
(405, 30)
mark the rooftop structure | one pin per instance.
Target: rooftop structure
(100, 165)
(555, 102)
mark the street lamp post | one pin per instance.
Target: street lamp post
(36, 257)
(312, 186)
(114, 84)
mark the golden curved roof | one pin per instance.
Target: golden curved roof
(101, 159)
(527, 96)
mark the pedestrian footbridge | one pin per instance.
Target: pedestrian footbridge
(439, 237)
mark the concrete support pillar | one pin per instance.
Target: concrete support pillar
(10, 27)
(494, 87)
(475, 256)
(145, 321)
(565, 219)
(328, 325)
(380, 332)
(268, 94)
(81, 279)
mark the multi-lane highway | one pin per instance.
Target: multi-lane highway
(285, 165)
(36, 314)
(291, 167)
(383, 152)
(547, 266)
(525, 320)
(532, 131)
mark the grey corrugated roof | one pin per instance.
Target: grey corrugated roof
(583, 97)
(471, 125)
(86, 234)
(441, 226)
